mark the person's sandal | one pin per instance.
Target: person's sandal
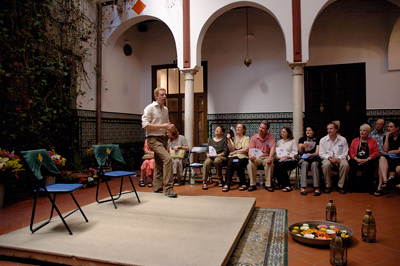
(384, 184)
(398, 185)
(205, 187)
(287, 189)
(150, 184)
(220, 182)
(141, 183)
(303, 192)
(225, 188)
(251, 188)
(269, 189)
(317, 192)
(242, 188)
(378, 193)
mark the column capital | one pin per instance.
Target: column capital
(189, 70)
(297, 67)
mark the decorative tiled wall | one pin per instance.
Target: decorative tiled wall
(387, 114)
(281, 119)
(115, 128)
(252, 121)
(126, 128)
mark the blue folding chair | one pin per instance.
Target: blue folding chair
(111, 151)
(39, 160)
(188, 168)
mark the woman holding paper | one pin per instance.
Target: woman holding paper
(286, 151)
(309, 150)
(238, 157)
(178, 146)
(217, 152)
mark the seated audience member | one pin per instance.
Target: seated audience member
(286, 151)
(363, 151)
(390, 158)
(333, 151)
(238, 157)
(220, 144)
(337, 122)
(175, 143)
(398, 173)
(309, 150)
(265, 142)
(147, 168)
(379, 133)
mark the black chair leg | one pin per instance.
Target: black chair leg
(134, 189)
(114, 198)
(184, 176)
(104, 178)
(58, 212)
(33, 230)
(111, 196)
(79, 208)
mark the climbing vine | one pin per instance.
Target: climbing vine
(44, 45)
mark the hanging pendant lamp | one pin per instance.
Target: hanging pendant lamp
(247, 60)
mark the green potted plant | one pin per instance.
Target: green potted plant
(10, 166)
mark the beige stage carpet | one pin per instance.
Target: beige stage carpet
(189, 230)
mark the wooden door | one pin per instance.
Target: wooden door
(170, 78)
(336, 92)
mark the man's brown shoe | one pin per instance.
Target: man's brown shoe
(171, 194)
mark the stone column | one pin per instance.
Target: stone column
(189, 105)
(298, 92)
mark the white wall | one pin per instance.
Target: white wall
(127, 79)
(157, 48)
(357, 31)
(235, 88)
(88, 83)
(348, 31)
(203, 13)
(121, 88)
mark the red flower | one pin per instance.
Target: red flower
(18, 108)
(23, 31)
(16, 64)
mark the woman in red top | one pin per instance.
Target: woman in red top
(363, 152)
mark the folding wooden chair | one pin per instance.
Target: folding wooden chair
(37, 159)
(111, 151)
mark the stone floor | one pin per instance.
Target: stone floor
(350, 211)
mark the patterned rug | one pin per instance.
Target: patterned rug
(264, 241)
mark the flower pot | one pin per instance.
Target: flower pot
(49, 180)
(1, 195)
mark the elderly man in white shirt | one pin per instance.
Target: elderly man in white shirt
(333, 150)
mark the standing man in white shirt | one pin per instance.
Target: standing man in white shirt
(333, 150)
(155, 120)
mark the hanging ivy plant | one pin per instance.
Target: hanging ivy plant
(43, 47)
